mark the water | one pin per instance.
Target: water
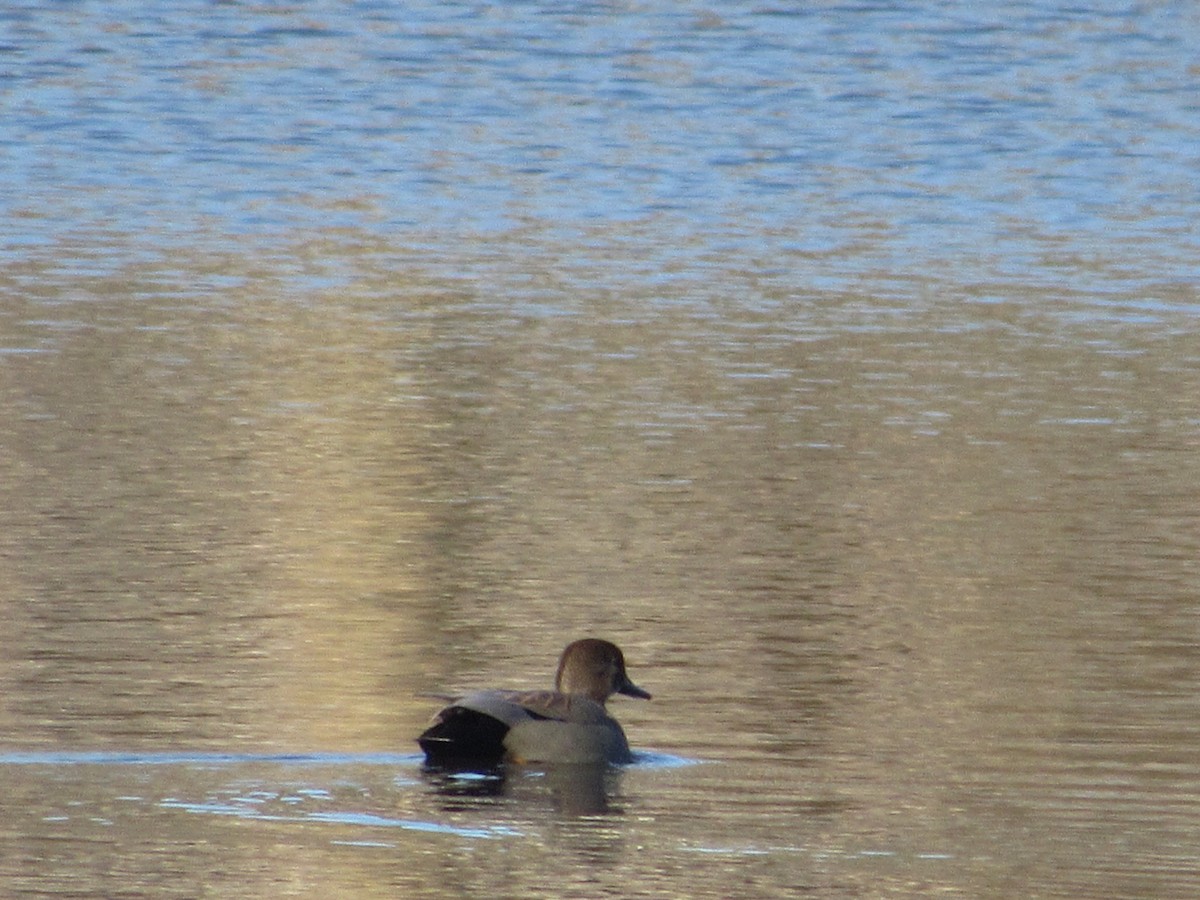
(837, 362)
(833, 146)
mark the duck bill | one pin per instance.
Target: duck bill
(629, 689)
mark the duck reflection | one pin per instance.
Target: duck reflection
(571, 789)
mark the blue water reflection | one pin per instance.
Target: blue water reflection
(828, 145)
(185, 758)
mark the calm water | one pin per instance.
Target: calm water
(838, 362)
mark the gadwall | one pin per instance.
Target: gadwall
(566, 725)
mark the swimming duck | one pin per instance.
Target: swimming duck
(569, 724)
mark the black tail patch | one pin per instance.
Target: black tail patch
(463, 736)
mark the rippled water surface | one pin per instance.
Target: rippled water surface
(838, 361)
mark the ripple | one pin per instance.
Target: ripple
(118, 758)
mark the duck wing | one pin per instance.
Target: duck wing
(482, 727)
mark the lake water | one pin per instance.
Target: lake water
(839, 361)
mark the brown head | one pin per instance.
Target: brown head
(596, 669)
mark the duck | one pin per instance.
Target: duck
(568, 725)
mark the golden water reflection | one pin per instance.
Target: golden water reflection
(920, 596)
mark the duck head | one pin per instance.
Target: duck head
(596, 669)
